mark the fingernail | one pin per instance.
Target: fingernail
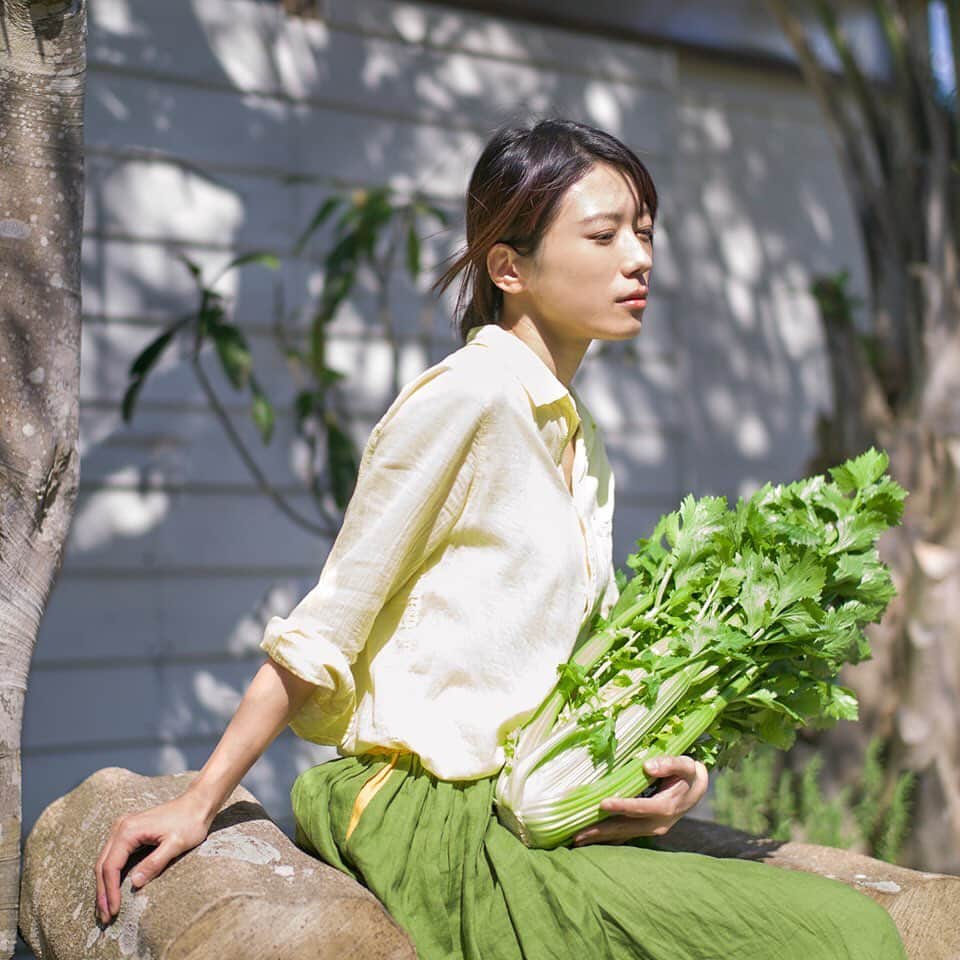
(653, 765)
(136, 879)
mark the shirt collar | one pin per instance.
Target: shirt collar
(542, 386)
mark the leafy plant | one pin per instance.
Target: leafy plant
(364, 218)
(758, 797)
(732, 631)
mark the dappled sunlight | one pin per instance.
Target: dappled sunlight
(712, 125)
(245, 41)
(279, 600)
(116, 514)
(602, 106)
(752, 435)
(820, 217)
(735, 235)
(171, 201)
(215, 696)
(379, 67)
(219, 130)
(171, 759)
(740, 301)
(114, 16)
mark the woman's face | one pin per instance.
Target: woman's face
(598, 250)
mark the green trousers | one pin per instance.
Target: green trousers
(463, 886)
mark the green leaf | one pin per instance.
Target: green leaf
(777, 729)
(143, 364)
(602, 742)
(304, 405)
(234, 353)
(342, 462)
(413, 252)
(263, 257)
(328, 376)
(841, 703)
(318, 219)
(262, 411)
(211, 314)
(803, 579)
(861, 471)
(194, 268)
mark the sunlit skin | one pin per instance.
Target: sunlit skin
(557, 301)
(565, 295)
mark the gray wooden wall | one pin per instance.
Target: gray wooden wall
(197, 114)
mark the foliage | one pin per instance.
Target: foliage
(364, 218)
(732, 631)
(779, 803)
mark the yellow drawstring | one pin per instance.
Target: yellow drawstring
(369, 790)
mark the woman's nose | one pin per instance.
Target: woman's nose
(638, 256)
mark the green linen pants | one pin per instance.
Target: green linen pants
(463, 886)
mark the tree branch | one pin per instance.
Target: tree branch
(251, 464)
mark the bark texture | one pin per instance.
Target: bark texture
(42, 71)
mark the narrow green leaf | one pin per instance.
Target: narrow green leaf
(141, 366)
(317, 220)
(234, 354)
(413, 252)
(342, 462)
(261, 410)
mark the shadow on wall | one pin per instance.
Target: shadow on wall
(216, 130)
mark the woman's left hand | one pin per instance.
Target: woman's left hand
(683, 782)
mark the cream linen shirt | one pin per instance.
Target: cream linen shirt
(464, 572)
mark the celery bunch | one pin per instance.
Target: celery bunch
(731, 631)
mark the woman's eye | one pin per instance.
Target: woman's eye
(646, 234)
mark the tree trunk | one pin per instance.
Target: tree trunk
(898, 387)
(42, 76)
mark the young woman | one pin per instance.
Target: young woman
(476, 546)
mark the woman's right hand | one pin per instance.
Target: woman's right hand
(173, 827)
(273, 697)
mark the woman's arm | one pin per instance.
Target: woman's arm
(273, 697)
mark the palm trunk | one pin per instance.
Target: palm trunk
(41, 182)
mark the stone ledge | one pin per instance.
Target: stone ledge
(248, 892)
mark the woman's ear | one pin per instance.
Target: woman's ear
(503, 269)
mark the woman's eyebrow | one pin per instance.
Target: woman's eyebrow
(606, 215)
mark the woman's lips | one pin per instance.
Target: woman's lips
(634, 303)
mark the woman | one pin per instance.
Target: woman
(476, 546)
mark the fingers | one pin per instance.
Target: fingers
(682, 766)
(683, 785)
(123, 840)
(620, 829)
(152, 866)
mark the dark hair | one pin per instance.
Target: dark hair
(513, 195)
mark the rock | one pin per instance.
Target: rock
(924, 906)
(246, 892)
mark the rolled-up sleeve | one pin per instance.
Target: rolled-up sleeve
(412, 484)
